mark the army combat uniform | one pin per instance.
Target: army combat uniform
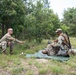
(60, 47)
(4, 42)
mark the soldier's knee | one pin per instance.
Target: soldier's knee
(71, 52)
(44, 52)
(4, 45)
(49, 45)
(4, 42)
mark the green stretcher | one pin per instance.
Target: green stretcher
(40, 55)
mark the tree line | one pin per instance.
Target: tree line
(31, 20)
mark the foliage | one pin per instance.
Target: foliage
(19, 64)
(70, 20)
(40, 23)
(12, 14)
(65, 28)
(29, 19)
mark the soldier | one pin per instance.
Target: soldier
(60, 46)
(8, 40)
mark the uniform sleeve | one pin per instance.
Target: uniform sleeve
(12, 38)
(17, 40)
(60, 40)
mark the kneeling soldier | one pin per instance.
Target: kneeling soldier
(8, 40)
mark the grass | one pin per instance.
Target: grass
(43, 70)
(56, 69)
(29, 72)
(73, 41)
(18, 64)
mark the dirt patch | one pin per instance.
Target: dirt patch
(4, 72)
(32, 67)
(42, 60)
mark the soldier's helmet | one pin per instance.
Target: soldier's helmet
(58, 30)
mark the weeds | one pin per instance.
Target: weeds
(14, 64)
(56, 69)
(29, 72)
(17, 70)
(43, 70)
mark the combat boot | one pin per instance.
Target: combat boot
(11, 52)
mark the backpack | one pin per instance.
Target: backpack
(66, 40)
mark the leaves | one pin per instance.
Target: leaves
(70, 20)
(29, 19)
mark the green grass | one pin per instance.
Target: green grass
(43, 70)
(18, 64)
(73, 42)
(29, 72)
(56, 69)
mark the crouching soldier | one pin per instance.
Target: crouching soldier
(60, 46)
(8, 40)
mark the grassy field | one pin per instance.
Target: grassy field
(18, 64)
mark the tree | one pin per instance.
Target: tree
(29, 19)
(70, 20)
(41, 22)
(12, 14)
(46, 3)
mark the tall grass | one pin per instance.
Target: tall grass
(17, 64)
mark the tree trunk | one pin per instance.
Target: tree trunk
(7, 28)
(3, 29)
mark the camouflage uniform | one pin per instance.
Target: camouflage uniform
(59, 48)
(64, 46)
(4, 42)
